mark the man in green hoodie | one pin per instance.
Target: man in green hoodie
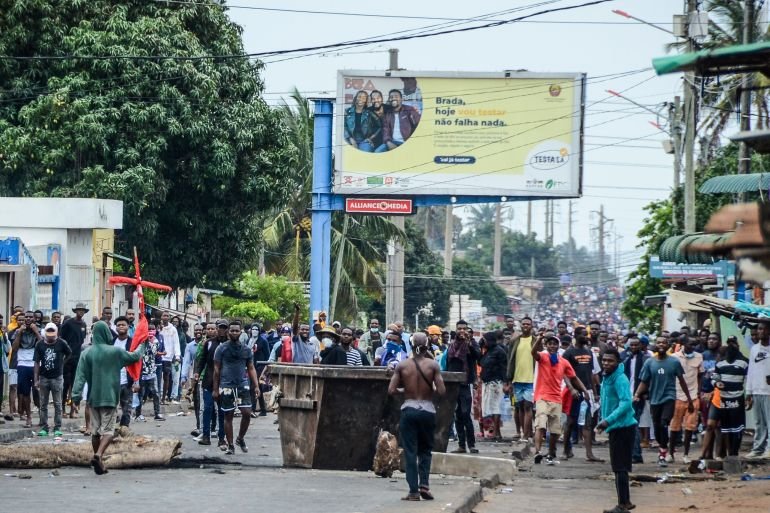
(100, 368)
(619, 422)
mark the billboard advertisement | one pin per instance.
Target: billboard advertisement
(515, 134)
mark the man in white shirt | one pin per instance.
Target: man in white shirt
(758, 391)
(171, 360)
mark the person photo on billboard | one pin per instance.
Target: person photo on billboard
(398, 124)
(362, 125)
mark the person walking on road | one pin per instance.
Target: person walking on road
(659, 376)
(99, 368)
(619, 421)
(233, 368)
(418, 378)
(50, 354)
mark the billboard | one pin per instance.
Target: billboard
(479, 134)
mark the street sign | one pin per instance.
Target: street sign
(378, 206)
(669, 270)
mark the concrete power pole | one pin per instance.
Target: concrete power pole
(744, 152)
(529, 218)
(570, 241)
(448, 239)
(675, 118)
(601, 230)
(547, 220)
(496, 263)
(394, 291)
(690, 102)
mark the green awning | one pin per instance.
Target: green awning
(734, 184)
(729, 59)
(675, 249)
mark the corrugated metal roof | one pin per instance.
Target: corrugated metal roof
(675, 249)
(734, 184)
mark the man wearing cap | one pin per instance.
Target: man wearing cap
(73, 331)
(50, 354)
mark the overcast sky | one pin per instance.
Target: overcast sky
(623, 177)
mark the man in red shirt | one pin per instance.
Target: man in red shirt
(552, 369)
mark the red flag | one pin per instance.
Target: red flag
(140, 335)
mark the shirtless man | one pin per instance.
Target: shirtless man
(417, 378)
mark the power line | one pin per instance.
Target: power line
(304, 49)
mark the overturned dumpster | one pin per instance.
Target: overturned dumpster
(330, 415)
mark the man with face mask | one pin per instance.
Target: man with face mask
(50, 354)
(552, 370)
(659, 376)
(372, 339)
(692, 364)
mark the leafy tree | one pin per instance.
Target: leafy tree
(287, 229)
(584, 266)
(658, 227)
(473, 279)
(253, 310)
(428, 290)
(274, 291)
(189, 146)
(432, 220)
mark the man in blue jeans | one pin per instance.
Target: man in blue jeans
(417, 378)
(204, 371)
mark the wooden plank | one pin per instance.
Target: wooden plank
(299, 404)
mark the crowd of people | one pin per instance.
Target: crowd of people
(578, 303)
(564, 382)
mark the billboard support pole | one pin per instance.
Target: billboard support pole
(322, 207)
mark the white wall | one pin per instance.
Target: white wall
(61, 213)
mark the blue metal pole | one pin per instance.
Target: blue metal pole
(321, 242)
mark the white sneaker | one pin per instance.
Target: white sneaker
(686, 460)
(752, 455)
(669, 458)
(766, 455)
(198, 438)
(141, 418)
(174, 401)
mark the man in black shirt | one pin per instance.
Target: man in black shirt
(462, 356)
(204, 371)
(586, 368)
(73, 331)
(50, 354)
(493, 368)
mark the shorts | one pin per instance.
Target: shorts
(102, 420)
(732, 420)
(26, 379)
(713, 413)
(548, 416)
(523, 392)
(492, 398)
(683, 418)
(574, 412)
(232, 398)
(13, 377)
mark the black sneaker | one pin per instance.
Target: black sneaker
(538, 458)
(240, 442)
(195, 432)
(263, 414)
(473, 450)
(222, 445)
(551, 460)
(204, 441)
(159, 418)
(230, 449)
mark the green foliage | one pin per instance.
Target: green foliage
(274, 292)
(189, 146)
(224, 303)
(473, 279)
(658, 226)
(517, 251)
(253, 310)
(427, 291)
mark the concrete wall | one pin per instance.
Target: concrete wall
(61, 213)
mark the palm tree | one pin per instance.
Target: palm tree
(287, 230)
(721, 96)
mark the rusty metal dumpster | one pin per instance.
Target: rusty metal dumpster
(330, 415)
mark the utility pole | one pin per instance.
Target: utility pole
(601, 230)
(690, 102)
(448, 239)
(529, 218)
(674, 118)
(496, 263)
(547, 220)
(744, 152)
(570, 242)
(394, 292)
(550, 226)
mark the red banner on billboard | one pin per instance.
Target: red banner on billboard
(378, 206)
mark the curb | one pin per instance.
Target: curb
(470, 502)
